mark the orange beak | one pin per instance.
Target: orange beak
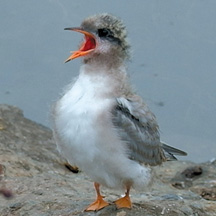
(86, 47)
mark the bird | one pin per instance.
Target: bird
(101, 124)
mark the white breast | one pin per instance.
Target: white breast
(77, 119)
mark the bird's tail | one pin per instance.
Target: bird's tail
(170, 152)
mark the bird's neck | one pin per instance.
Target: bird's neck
(110, 61)
(108, 65)
(113, 78)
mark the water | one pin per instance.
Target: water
(173, 64)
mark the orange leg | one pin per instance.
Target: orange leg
(99, 202)
(125, 201)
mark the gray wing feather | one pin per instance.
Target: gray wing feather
(137, 126)
(171, 151)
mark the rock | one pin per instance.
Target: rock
(42, 183)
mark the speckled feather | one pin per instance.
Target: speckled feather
(138, 127)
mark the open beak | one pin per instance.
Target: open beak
(86, 47)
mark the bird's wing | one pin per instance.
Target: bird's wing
(171, 151)
(137, 127)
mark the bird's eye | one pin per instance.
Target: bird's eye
(105, 33)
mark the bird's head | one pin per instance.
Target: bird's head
(104, 36)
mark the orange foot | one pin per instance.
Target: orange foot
(123, 202)
(97, 205)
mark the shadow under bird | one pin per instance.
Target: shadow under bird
(100, 124)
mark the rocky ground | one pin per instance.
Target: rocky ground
(34, 180)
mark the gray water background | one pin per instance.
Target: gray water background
(173, 63)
